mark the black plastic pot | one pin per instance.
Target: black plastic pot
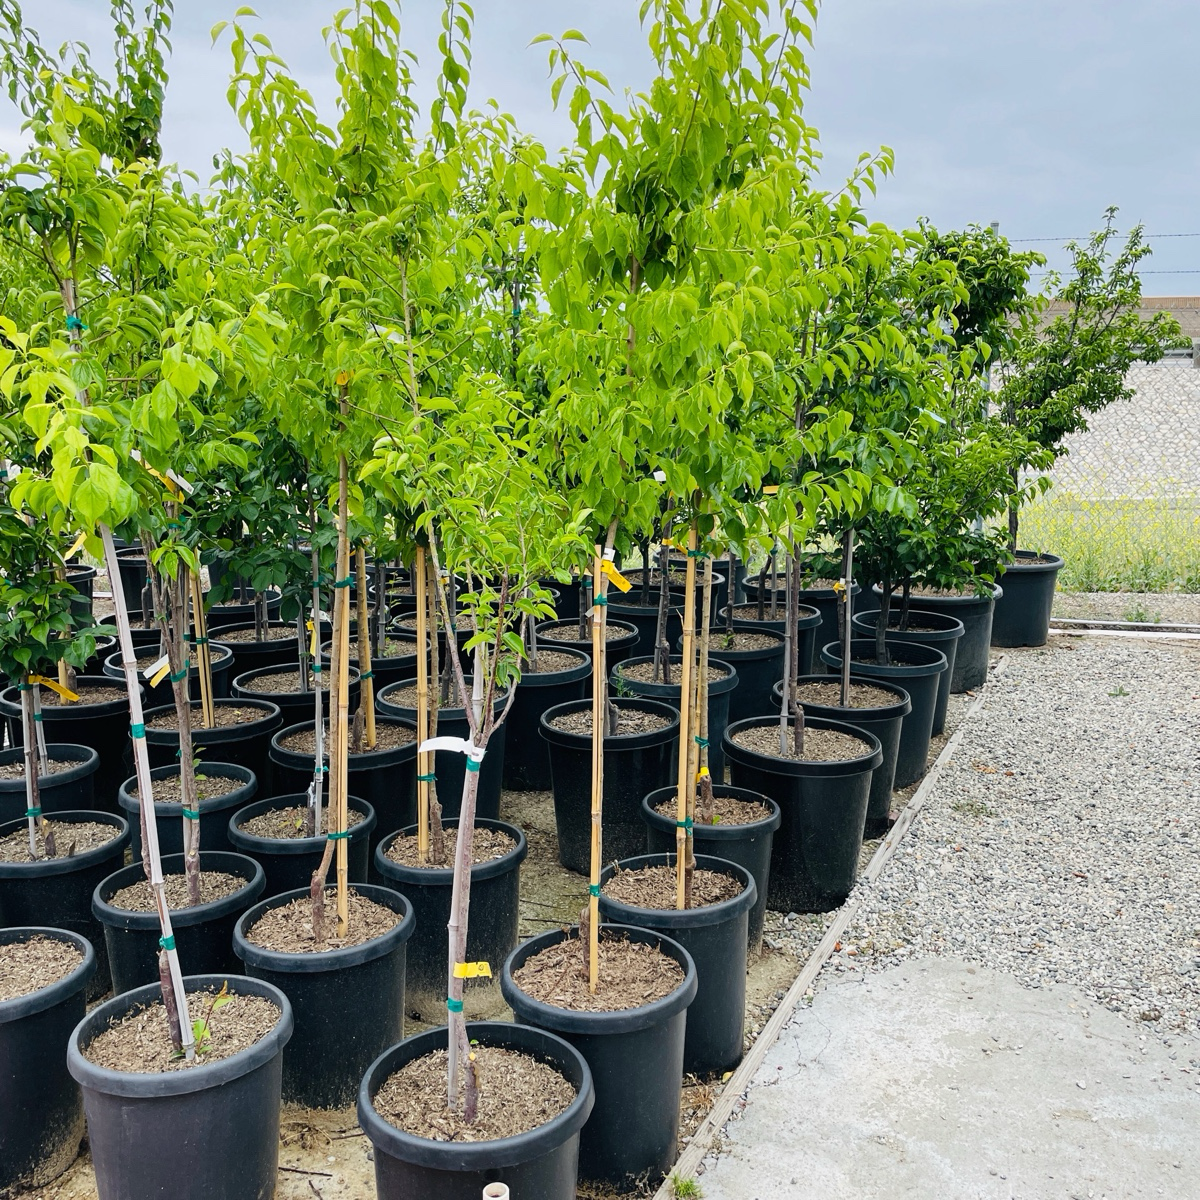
(938, 630)
(162, 693)
(253, 656)
(807, 625)
(722, 689)
(885, 723)
(526, 759)
(214, 812)
(220, 1120)
(823, 805)
(716, 936)
(491, 932)
(757, 670)
(635, 1056)
(976, 614)
(102, 726)
(68, 788)
(449, 766)
(616, 649)
(288, 863)
(82, 579)
(348, 1004)
(633, 765)
(203, 934)
(297, 706)
(103, 647)
(544, 1162)
(1022, 613)
(720, 572)
(133, 568)
(385, 669)
(917, 670)
(824, 600)
(385, 779)
(247, 745)
(748, 845)
(220, 615)
(566, 597)
(41, 1110)
(644, 618)
(58, 891)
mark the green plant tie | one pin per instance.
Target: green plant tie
(341, 583)
(37, 716)
(33, 812)
(455, 1006)
(74, 324)
(316, 668)
(180, 676)
(367, 675)
(325, 770)
(338, 836)
(593, 889)
(137, 730)
(473, 764)
(192, 814)
(24, 687)
(601, 600)
(697, 554)
(702, 743)
(198, 641)
(167, 943)
(687, 823)
(174, 524)
(426, 778)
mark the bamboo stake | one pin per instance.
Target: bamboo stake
(685, 778)
(847, 630)
(599, 722)
(316, 789)
(203, 660)
(704, 801)
(40, 730)
(33, 804)
(367, 703)
(343, 688)
(424, 757)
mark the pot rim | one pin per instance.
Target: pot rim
(400, 874)
(472, 1156)
(77, 862)
(364, 760)
(1018, 567)
(254, 843)
(620, 741)
(220, 733)
(674, 918)
(314, 962)
(242, 691)
(835, 712)
(400, 712)
(715, 833)
(629, 631)
(11, 705)
(808, 617)
(116, 669)
(30, 1003)
(950, 632)
(169, 808)
(717, 686)
(581, 670)
(151, 1085)
(816, 593)
(953, 599)
(86, 762)
(733, 656)
(805, 767)
(831, 655)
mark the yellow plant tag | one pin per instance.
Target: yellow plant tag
(701, 773)
(76, 546)
(312, 641)
(839, 586)
(343, 378)
(55, 687)
(614, 576)
(771, 489)
(473, 970)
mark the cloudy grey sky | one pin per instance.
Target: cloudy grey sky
(1035, 113)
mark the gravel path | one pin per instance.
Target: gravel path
(1062, 843)
(1172, 607)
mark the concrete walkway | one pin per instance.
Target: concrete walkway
(941, 1080)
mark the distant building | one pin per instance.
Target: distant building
(1185, 309)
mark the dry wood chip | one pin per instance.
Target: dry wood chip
(630, 722)
(387, 737)
(16, 770)
(550, 661)
(288, 823)
(224, 715)
(643, 672)
(69, 838)
(34, 964)
(654, 887)
(139, 897)
(208, 787)
(486, 845)
(287, 928)
(820, 745)
(728, 810)
(862, 695)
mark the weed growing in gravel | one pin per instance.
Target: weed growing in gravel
(685, 1187)
(1141, 614)
(1118, 691)
(973, 808)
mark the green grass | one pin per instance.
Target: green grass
(685, 1188)
(1117, 544)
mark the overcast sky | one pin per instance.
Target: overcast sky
(1034, 113)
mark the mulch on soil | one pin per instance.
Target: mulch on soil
(208, 787)
(516, 1094)
(387, 737)
(224, 716)
(69, 838)
(726, 809)
(820, 745)
(862, 695)
(242, 636)
(654, 887)
(283, 683)
(743, 639)
(288, 928)
(550, 661)
(570, 633)
(286, 824)
(16, 770)
(88, 694)
(643, 672)
(486, 845)
(35, 964)
(139, 897)
(631, 974)
(140, 1043)
(630, 723)
(405, 696)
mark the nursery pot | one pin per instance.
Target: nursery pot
(237, 613)
(823, 805)
(41, 1110)
(916, 669)
(155, 696)
(491, 932)
(254, 655)
(288, 863)
(203, 933)
(104, 645)
(82, 579)
(634, 764)
(133, 568)
(58, 891)
(976, 613)
(387, 668)
(526, 759)
(193, 1134)
(757, 670)
(104, 726)
(542, 1163)
(68, 787)
(885, 723)
(748, 845)
(938, 630)
(294, 706)
(635, 1056)
(644, 617)
(245, 744)
(716, 936)
(721, 691)
(824, 600)
(1022, 614)
(214, 812)
(348, 1004)
(385, 779)
(449, 766)
(617, 648)
(566, 597)
(807, 624)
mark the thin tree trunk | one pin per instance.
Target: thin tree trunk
(847, 610)
(367, 685)
(883, 621)
(33, 799)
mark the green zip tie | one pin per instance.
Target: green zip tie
(37, 716)
(192, 814)
(174, 524)
(316, 667)
(426, 778)
(601, 600)
(197, 641)
(455, 1006)
(167, 943)
(33, 812)
(473, 764)
(366, 675)
(24, 687)
(74, 324)
(180, 676)
(593, 889)
(137, 730)
(341, 583)
(337, 837)
(697, 554)
(702, 743)
(687, 823)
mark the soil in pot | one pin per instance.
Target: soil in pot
(44, 975)
(69, 787)
(640, 757)
(139, 897)
(162, 693)
(486, 845)
(287, 928)
(241, 734)
(560, 676)
(288, 823)
(820, 745)
(621, 639)
(654, 887)
(757, 656)
(218, 1114)
(221, 788)
(69, 841)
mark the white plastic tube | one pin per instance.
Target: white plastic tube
(496, 1191)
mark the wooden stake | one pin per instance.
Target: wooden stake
(342, 621)
(599, 723)
(367, 703)
(847, 630)
(425, 757)
(685, 798)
